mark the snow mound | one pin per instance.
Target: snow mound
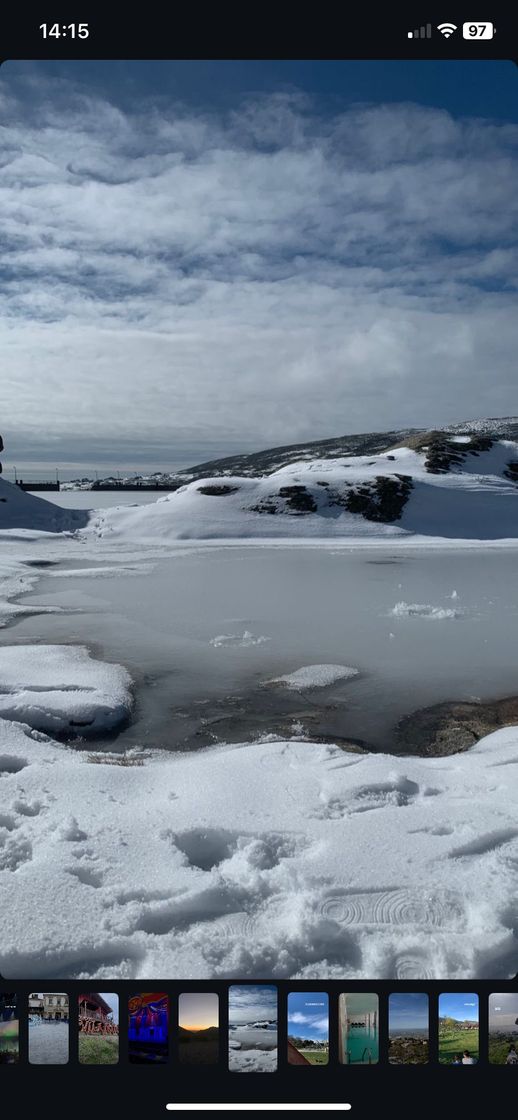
(422, 610)
(62, 689)
(243, 640)
(315, 676)
(384, 495)
(210, 863)
(20, 510)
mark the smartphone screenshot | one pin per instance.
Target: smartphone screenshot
(258, 558)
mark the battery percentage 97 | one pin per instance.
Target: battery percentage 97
(478, 30)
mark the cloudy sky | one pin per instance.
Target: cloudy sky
(503, 1012)
(248, 1003)
(308, 1015)
(201, 259)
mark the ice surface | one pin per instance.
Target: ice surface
(317, 605)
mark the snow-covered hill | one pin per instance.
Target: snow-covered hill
(504, 426)
(461, 487)
(434, 484)
(365, 443)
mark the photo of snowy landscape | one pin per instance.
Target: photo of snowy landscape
(259, 524)
(252, 1028)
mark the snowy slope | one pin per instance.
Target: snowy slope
(472, 500)
(20, 510)
(492, 426)
(274, 858)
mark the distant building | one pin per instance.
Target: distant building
(95, 1015)
(49, 1005)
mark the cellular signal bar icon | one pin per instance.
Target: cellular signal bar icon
(421, 32)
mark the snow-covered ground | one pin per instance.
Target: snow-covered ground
(271, 858)
(252, 1050)
(20, 510)
(281, 859)
(62, 689)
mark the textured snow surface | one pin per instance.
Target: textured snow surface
(422, 610)
(62, 689)
(243, 640)
(252, 1061)
(272, 859)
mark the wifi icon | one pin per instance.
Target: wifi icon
(446, 29)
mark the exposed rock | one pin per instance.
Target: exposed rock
(298, 499)
(443, 452)
(267, 505)
(383, 499)
(216, 490)
(295, 500)
(449, 728)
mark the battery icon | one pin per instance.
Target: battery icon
(478, 30)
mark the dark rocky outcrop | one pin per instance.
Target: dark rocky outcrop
(383, 499)
(216, 489)
(442, 452)
(452, 727)
(298, 499)
(266, 505)
(295, 500)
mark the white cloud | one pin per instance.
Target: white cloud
(314, 1021)
(253, 1001)
(174, 275)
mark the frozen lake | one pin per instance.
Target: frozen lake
(98, 499)
(203, 630)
